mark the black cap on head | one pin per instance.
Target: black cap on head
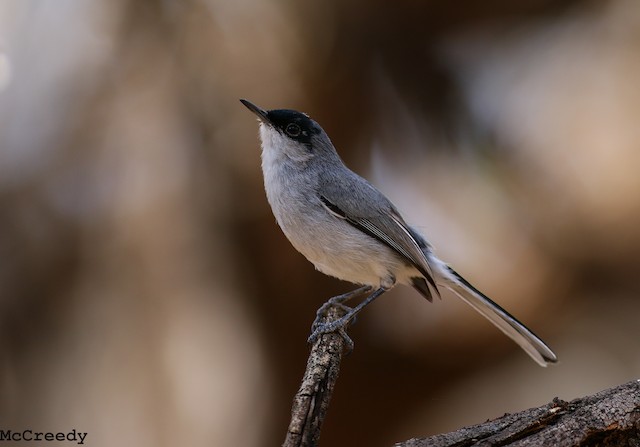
(295, 125)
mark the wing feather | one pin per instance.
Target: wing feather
(390, 229)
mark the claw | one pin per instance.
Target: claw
(338, 326)
(348, 343)
(321, 313)
(320, 327)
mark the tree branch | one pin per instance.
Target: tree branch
(608, 418)
(311, 402)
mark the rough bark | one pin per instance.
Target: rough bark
(608, 418)
(311, 402)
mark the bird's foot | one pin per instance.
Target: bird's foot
(320, 328)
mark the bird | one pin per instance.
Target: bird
(350, 230)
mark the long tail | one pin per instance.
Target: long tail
(503, 320)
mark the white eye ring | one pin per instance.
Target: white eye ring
(293, 130)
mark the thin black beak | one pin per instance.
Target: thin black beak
(260, 113)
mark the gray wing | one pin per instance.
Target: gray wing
(352, 198)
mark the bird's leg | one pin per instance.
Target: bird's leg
(338, 301)
(341, 324)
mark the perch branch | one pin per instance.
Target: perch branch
(608, 418)
(311, 402)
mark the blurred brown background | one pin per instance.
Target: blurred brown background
(148, 297)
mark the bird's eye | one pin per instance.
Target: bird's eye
(293, 130)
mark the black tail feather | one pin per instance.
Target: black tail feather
(420, 284)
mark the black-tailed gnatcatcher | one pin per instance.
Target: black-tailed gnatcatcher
(350, 230)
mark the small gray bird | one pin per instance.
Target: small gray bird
(350, 230)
